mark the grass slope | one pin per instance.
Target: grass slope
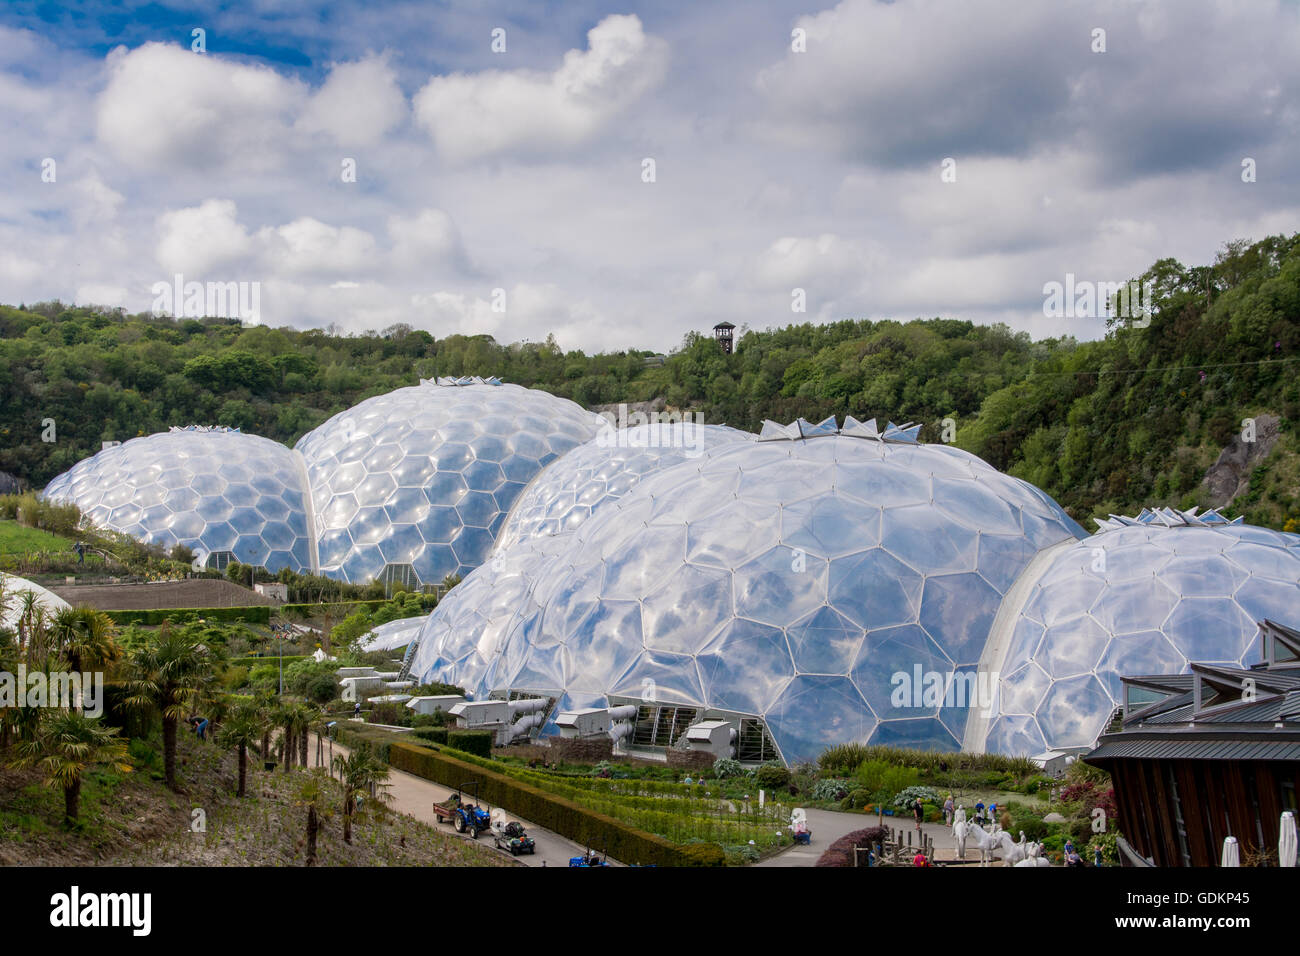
(19, 539)
(134, 820)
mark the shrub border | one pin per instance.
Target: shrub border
(587, 827)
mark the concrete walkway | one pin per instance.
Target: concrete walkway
(827, 826)
(415, 797)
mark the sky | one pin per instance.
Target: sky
(621, 174)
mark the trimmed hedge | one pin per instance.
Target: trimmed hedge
(565, 817)
(266, 659)
(427, 601)
(476, 742)
(350, 733)
(152, 617)
(435, 735)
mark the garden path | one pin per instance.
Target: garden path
(415, 797)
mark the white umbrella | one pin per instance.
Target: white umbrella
(1230, 855)
(1286, 841)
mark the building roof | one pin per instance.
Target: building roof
(1216, 712)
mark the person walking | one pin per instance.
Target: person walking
(979, 813)
(993, 814)
(947, 811)
(918, 809)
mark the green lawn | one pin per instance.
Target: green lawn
(19, 539)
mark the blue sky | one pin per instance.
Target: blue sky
(505, 193)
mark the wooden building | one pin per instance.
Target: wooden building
(1208, 754)
(725, 333)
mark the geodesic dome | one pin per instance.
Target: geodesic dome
(213, 490)
(420, 479)
(789, 579)
(566, 492)
(12, 591)
(1143, 596)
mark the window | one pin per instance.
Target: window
(755, 743)
(660, 726)
(1135, 697)
(220, 560)
(394, 575)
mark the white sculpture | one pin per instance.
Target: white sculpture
(986, 842)
(1012, 853)
(960, 830)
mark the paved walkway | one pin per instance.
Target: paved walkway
(415, 797)
(827, 826)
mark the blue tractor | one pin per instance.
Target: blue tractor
(466, 817)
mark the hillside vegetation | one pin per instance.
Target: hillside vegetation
(1107, 426)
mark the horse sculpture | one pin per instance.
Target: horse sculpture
(986, 842)
(1012, 853)
(1034, 856)
(960, 830)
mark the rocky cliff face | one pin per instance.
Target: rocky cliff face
(1229, 476)
(9, 485)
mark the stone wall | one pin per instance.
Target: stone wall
(690, 759)
(577, 750)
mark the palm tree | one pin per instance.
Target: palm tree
(284, 716)
(296, 718)
(85, 638)
(32, 621)
(66, 744)
(308, 714)
(169, 674)
(242, 730)
(264, 705)
(311, 794)
(361, 772)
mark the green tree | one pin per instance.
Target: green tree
(241, 731)
(169, 675)
(66, 745)
(362, 772)
(85, 638)
(312, 796)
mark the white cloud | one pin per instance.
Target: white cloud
(792, 260)
(201, 238)
(310, 246)
(96, 294)
(474, 115)
(358, 103)
(823, 176)
(97, 202)
(165, 106)
(429, 238)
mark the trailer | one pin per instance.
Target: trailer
(465, 817)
